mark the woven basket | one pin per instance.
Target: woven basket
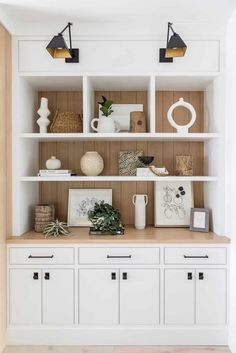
(66, 122)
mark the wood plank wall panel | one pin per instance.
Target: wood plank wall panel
(5, 168)
(71, 152)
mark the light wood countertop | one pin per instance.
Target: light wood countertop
(132, 235)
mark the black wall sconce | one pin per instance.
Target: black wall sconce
(58, 48)
(175, 47)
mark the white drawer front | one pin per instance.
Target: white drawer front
(119, 255)
(182, 256)
(41, 256)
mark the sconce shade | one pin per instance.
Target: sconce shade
(58, 49)
(175, 47)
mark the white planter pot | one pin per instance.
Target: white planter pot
(105, 125)
(91, 163)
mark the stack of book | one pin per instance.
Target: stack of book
(55, 172)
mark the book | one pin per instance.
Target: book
(55, 171)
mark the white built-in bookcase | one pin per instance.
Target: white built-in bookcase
(26, 137)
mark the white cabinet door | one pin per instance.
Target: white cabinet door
(211, 296)
(25, 296)
(139, 296)
(58, 296)
(98, 296)
(179, 296)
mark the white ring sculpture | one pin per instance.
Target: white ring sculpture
(181, 129)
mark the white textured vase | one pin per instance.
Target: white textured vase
(53, 163)
(43, 112)
(140, 202)
(91, 163)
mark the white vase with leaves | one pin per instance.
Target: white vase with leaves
(43, 112)
(106, 123)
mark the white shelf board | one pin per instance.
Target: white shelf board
(119, 136)
(119, 178)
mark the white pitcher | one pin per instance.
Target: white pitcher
(140, 202)
(105, 125)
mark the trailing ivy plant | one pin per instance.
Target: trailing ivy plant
(55, 229)
(106, 106)
(105, 218)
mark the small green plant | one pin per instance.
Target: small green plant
(106, 106)
(105, 218)
(56, 228)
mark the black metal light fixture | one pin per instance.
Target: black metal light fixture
(175, 47)
(58, 48)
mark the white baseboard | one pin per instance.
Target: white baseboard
(117, 336)
(232, 341)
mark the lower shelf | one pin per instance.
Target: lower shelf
(120, 178)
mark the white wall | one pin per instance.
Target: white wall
(231, 168)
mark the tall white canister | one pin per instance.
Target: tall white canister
(140, 202)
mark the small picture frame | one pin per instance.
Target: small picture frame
(199, 219)
(82, 200)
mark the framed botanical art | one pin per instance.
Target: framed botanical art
(173, 202)
(81, 200)
(199, 219)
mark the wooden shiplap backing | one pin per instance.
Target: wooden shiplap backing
(70, 153)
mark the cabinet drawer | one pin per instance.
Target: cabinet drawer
(210, 256)
(41, 256)
(119, 255)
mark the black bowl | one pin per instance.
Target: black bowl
(146, 160)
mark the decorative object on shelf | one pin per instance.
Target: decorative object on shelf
(58, 48)
(66, 122)
(138, 122)
(173, 201)
(181, 129)
(81, 201)
(105, 125)
(91, 163)
(152, 171)
(146, 160)
(53, 163)
(184, 165)
(121, 114)
(200, 219)
(43, 215)
(140, 202)
(175, 47)
(43, 112)
(56, 229)
(128, 162)
(105, 220)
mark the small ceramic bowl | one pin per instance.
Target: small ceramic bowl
(146, 160)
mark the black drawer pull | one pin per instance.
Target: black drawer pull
(119, 256)
(113, 275)
(40, 257)
(196, 256)
(124, 275)
(47, 275)
(35, 276)
(201, 276)
(190, 276)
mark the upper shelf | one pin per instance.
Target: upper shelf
(197, 137)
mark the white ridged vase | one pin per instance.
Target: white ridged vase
(91, 163)
(140, 202)
(44, 112)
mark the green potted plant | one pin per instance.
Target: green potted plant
(56, 229)
(105, 219)
(106, 123)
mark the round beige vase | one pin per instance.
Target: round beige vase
(91, 163)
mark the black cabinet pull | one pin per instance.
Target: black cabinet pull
(113, 275)
(124, 275)
(196, 256)
(35, 276)
(190, 276)
(201, 276)
(40, 257)
(119, 256)
(47, 275)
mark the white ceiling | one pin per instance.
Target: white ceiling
(22, 16)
